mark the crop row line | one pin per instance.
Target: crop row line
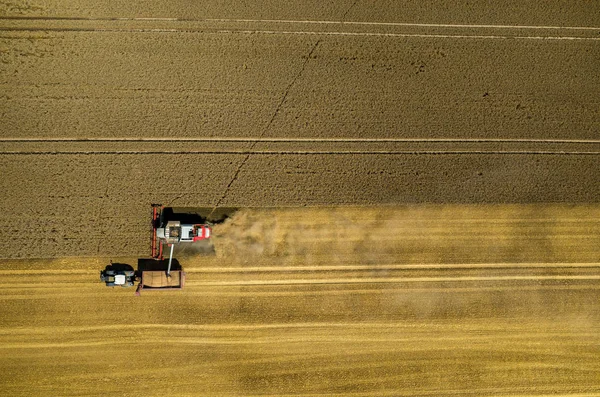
(300, 152)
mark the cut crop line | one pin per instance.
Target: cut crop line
(44, 293)
(44, 271)
(63, 329)
(192, 327)
(326, 268)
(306, 140)
(298, 152)
(392, 280)
(255, 340)
(292, 21)
(585, 265)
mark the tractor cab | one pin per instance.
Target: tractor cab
(118, 275)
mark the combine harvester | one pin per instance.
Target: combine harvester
(167, 228)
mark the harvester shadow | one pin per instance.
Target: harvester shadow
(199, 215)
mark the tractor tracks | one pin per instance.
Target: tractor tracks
(296, 27)
(295, 146)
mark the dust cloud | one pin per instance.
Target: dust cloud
(407, 234)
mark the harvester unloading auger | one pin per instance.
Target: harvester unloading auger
(166, 229)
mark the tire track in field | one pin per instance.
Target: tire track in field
(304, 27)
(266, 128)
(298, 152)
(309, 140)
(293, 146)
(276, 32)
(291, 21)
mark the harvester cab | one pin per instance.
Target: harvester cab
(175, 232)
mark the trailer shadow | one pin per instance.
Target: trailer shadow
(148, 264)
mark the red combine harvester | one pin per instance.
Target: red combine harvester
(171, 231)
(167, 228)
